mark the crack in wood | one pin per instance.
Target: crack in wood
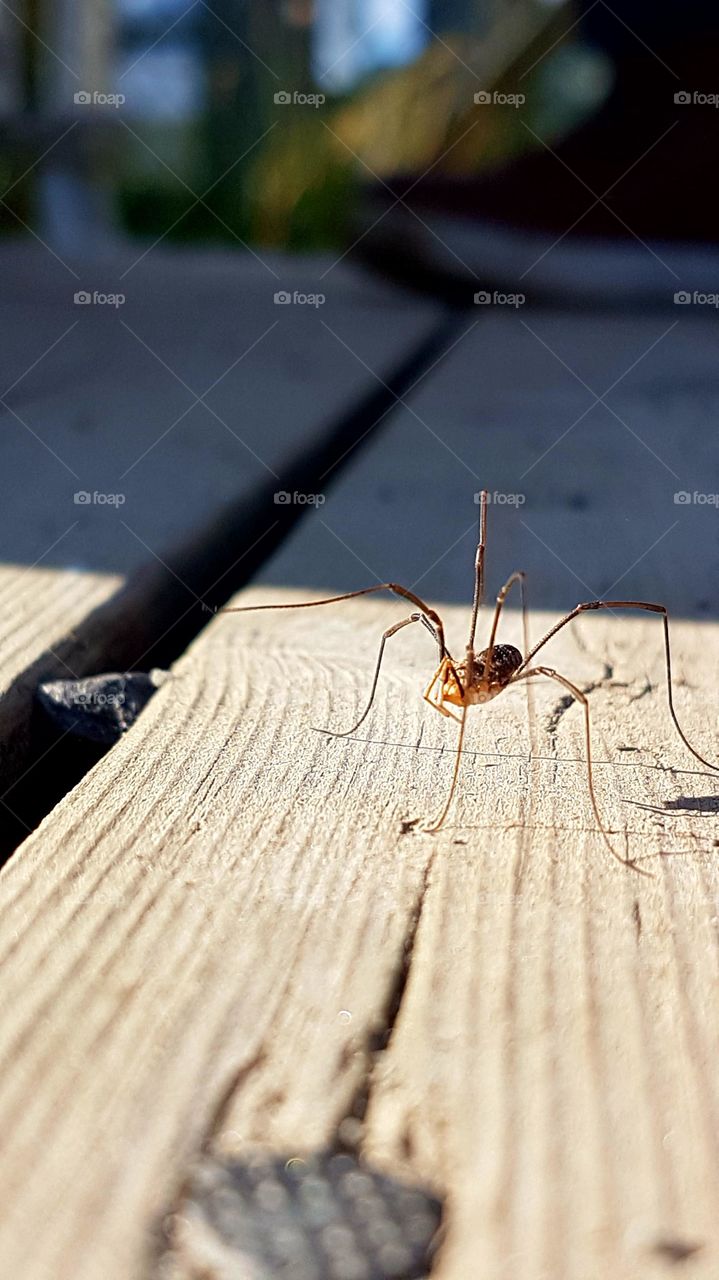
(568, 700)
(349, 1131)
(225, 1101)
(349, 1134)
(161, 1242)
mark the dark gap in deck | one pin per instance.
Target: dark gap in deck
(152, 620)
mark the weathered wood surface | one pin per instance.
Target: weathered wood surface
(511, 408)
(185, 937)
(102, 399)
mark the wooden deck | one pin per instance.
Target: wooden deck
(221, 940)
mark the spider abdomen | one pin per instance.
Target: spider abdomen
(489, 678)
(483, 681)
(504, 661)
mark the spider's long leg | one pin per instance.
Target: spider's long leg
(624, 604)
(435, 826)
(394, 587)
(479, 566)
(518, 576)
(413, 617)
(582, 697)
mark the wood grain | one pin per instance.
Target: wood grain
(532, 1029)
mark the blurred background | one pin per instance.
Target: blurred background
(202, 83)
(212, 156)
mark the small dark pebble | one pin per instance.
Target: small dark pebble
(99, 708)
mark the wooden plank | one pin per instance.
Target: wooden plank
(532, 1028)
(512, 409)
(101, 400)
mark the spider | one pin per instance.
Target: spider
(481, 676)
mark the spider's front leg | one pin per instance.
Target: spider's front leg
(431, 828)
(434, 693)
(406, 622)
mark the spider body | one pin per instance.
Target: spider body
(474, 681)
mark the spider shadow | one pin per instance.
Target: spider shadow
(710, 803)
(705, 805)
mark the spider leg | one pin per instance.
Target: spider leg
(520, 577)
(436, 683)
(624, 604)
(479, 566)
(582, 697)
(394, 587)
(449, 715)
(406, 622)
(435, 826)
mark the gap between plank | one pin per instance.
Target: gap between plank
(149, 616)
